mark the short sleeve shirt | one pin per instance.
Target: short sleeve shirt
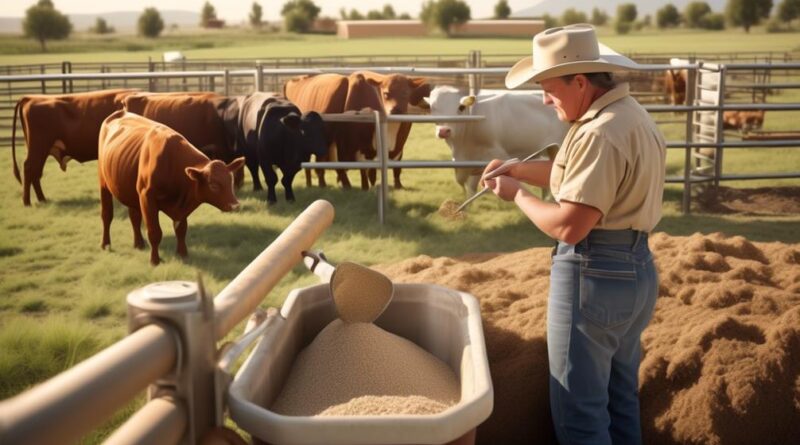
(613, 159)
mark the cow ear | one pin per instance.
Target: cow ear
(195, 174)
(236, 164)
(419, 91)
(291, 120)
(467, 101)
(425, 103)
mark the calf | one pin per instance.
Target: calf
(149, 168)
(275, 134)
(516, 125)
(64, 126)
(206, 120)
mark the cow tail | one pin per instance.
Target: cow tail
(14, 141)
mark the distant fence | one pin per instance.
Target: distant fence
(242, 81)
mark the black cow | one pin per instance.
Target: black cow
(273, 133)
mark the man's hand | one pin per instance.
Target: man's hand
(505, 187)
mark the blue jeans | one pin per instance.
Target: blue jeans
(602, 294)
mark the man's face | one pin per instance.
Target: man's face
(566, 98)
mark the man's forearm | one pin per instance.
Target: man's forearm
(569, 223)
(533, 172)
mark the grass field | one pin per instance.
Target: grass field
(64, 297)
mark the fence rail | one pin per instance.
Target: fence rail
(230, 82)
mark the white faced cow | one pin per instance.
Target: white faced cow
(516, 125)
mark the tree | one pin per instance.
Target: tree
(599, 18)
(712, 21)
(789, 10)
(255, 15)
(299, 15)
(571, 16)
(207, 14)
(668, 16)
(101, 27)
(355, 15)
(374, 15)
(549, 21)
(622, 27)
(404, 16)
(502, 10)
(388, 12)
(626, 12)
(694, 12)
(44, 22)
(746, 13)
(444, 13)
(150, 23)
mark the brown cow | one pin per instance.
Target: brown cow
(675, 89)
(203, 118)
(323, 93)
(397, 92)
(332, 93)
(64, 126)
(149, 168)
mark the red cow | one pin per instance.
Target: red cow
(397, 92)
(203, 118)
(149, 168)
(64, 126)
(675, 89)
(333, 93)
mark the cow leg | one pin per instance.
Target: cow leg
(252, 165)
(33, 167)
(150, 214)
(180, 235)
(396, 173)
(286, 180)
(106, 214)
(271, 179)
(365, 179)
(135, 214)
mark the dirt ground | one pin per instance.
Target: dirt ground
(721, 357)
(757, 201)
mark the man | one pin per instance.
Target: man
(607, 180)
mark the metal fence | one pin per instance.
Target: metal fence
(243, 81)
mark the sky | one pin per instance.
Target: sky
(234, 11)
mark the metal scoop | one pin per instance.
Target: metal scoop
(359, 293)
(504, 167)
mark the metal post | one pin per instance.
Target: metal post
(151, 82)
(720, 127)
(226, 79)
(471, 78)
(162, 420)
(259, 79)
(185, 306)
(44, 84)
(691, 84)
(381, 130)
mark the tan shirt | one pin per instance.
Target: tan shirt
(613, 159)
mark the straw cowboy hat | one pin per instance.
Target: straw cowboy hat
(566, 50)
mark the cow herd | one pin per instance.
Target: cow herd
(171, 152)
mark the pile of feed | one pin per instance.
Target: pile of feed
(753, 201)
(721, 357)
(353, 367)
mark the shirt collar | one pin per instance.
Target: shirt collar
(619, 92)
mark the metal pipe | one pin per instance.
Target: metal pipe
(162, 421)
(69, 405)
(239, 298)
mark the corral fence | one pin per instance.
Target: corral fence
(704, 142)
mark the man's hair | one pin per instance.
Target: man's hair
(600, 80)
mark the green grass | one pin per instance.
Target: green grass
(243, 43)
(64, 298)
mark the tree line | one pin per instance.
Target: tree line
(44, 22)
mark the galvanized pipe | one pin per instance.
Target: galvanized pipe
(239, 298)
(162, 421)
(64, 408)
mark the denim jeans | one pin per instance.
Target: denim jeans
(602, 294)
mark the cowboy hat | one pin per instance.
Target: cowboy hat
(566, 50)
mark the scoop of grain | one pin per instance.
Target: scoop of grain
(359, 368)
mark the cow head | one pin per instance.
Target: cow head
(397, 91)
(213, 183)
(312, 129)
(448, 101)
